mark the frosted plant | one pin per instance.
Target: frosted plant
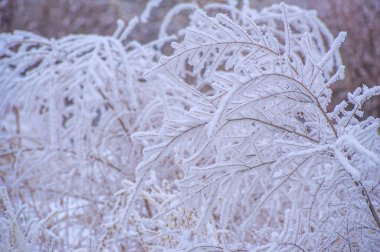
(264, 165)
(225, 143)
(68, 107)
(13, 237)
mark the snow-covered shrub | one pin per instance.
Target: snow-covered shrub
(15, 237)
(68, 107)
(223, 144)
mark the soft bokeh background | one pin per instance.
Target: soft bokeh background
(360, 18)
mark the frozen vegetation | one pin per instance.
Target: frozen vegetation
(215, 136)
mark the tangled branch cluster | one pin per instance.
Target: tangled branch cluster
(223, 144)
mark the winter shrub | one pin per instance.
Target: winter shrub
(221, 142)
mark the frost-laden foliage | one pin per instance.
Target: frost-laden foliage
(68, 107)
(14, 237)
(224, 145)
(265, 165)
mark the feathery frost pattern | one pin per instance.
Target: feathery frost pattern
(226, 144)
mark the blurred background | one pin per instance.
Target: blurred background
(360, 18)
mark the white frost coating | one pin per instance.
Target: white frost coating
(131, 25)
(119, 28)
(287, 30)
(225, 145)
(349, 140)
(334, 48)
(346, 165)
(148, 9)
(212, 125)
(172, 13)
